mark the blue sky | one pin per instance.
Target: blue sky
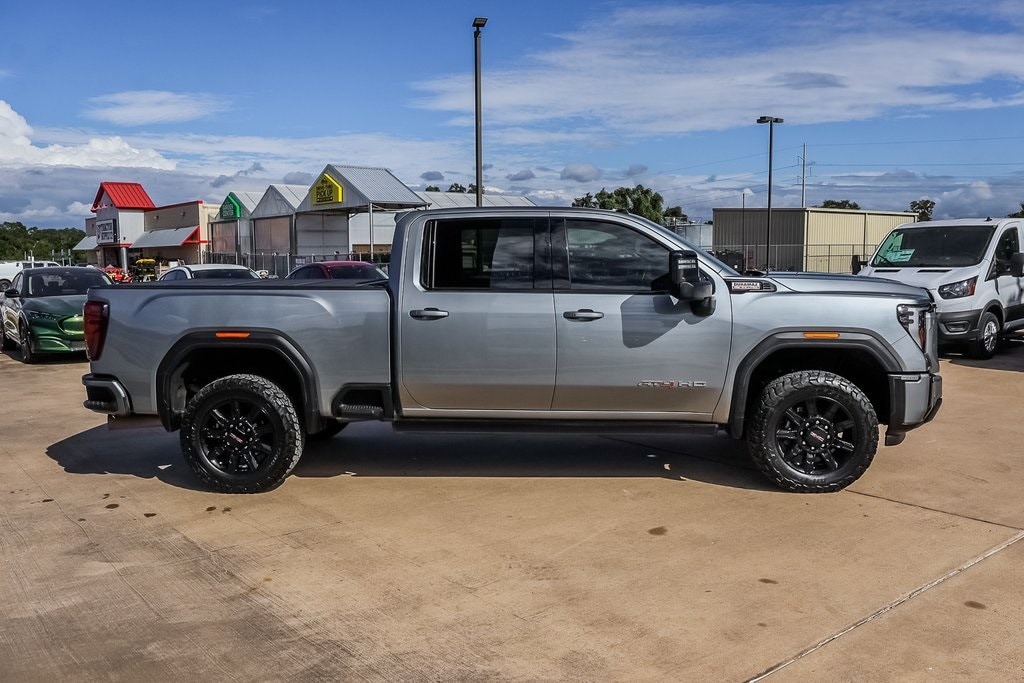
(895, 101)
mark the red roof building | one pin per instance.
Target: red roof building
(124, 196)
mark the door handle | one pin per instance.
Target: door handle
(584, 314)
(428, 314)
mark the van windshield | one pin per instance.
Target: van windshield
(951, 246)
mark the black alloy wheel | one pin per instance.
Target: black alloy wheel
(25, 343)
(813, 431)
(241, 434)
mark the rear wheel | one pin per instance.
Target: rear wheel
(4, 284)
(984, 347)
(813, 432)
(241, 434)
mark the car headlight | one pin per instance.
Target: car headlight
(39, 315)
(958, 290)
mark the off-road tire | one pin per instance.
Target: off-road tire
(241, 434)
(812, 432)
(329, 430)
(25, 344)
(984, 347)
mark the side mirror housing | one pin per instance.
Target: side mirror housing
(11, 293)
(1017, 265)
(686, 284)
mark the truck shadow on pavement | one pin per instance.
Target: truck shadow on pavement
(144, 453)
(374, 450)
(1010, 356)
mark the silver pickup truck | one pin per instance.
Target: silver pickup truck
(526, 319)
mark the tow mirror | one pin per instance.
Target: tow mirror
(1017, 265)
(684, 274)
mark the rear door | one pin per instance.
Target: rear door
(625, 346)
(477, 329)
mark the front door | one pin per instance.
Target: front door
(1010, 289)
(477, 324)
(624, 344)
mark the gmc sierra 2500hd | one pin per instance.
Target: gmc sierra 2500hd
(529, 319)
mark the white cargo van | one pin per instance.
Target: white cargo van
(8, 269)
(972, 267)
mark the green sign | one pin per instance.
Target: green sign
(230, 208)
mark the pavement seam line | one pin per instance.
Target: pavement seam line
(888, 607)
(930, 509)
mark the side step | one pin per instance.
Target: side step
(359, 412)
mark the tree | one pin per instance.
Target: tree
(1017, 214)
(839, 204)
(432, 188)
(923, 209)
(17, 241)
(676, 212)
(472, 189)
(457, 187)
(639, 200)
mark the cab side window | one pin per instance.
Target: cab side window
(480, 253)
(609, 256)
(309, 273)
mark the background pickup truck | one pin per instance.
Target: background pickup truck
(525, 319)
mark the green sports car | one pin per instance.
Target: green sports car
(42, 309)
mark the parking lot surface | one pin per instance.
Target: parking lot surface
(448, 558)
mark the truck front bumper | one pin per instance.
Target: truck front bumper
(914, 399)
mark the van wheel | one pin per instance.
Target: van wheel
(813, 432)
(984, 347)
(241, 434)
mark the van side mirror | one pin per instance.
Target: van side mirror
(856, 264)
(686, 285)
(1017, 265)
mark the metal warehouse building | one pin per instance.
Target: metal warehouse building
(807, 238)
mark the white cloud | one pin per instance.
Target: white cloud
(18, 150)
(141, 107)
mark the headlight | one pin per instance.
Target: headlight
(914, 321)
(39, 315)
(958, 290)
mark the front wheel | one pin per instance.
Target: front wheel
(241, 434)
(984, 347)
(25, 342)
(813, 432)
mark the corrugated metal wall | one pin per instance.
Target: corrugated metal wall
(824, 240)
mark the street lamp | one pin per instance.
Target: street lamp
(478, 24)
(771, 121)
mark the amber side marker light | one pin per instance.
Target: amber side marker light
(821, 335)
(231, 335)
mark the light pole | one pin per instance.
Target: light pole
(478, 24)
(771, 121)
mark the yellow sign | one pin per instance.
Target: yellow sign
(326, 191)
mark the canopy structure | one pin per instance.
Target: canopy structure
(170, 237)
(88, 243)
(355, 189)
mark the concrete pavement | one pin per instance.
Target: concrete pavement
(412, 557)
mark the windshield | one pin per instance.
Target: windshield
(229, 273)
(366, 272)
(950, 246)
(63, 282)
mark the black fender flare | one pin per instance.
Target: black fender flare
(856, 339)
(206, 339)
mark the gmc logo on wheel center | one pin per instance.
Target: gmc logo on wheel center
(671, 384)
